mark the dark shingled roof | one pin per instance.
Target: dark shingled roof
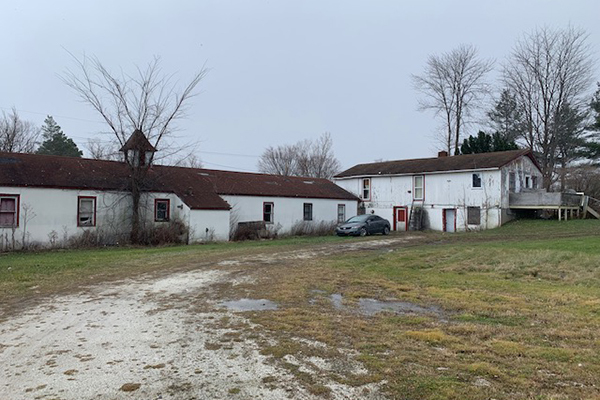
(138, 141)
(198, 188)
(437, 164)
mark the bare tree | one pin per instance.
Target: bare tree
(17, 135)
(280, 160)
(453, 86)
(190, 160)
(147, 101)
(305, 158)
(102, 150)
(548, 70)
(316, 159)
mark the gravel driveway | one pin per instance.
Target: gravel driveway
(158, 338)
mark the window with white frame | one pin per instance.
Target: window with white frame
(9, 211)
(418, 186)
(308, 211)
(86, 211)
(534, 182)
(268, 212)
(341, 213)
(366, 189)
(476, 180)
(162, 210)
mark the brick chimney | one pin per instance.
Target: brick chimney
(442, 153)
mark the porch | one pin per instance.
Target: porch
(567, 205)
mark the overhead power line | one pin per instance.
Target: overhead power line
(54, 115)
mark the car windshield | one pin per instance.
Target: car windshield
(358, 218)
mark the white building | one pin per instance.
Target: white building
(456, 193)
(49, 199)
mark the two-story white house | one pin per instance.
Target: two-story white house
(446, 193)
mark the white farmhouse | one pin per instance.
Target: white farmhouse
(457, 193)
(48, 199)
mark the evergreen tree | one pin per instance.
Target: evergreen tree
(56, 142)
(485, 143)
(506, 117)
(569, 132)
(591, 149)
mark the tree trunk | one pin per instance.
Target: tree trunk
(136, 181)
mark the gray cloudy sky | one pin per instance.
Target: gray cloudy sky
(281, 71)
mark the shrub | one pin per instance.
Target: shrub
(174, 232)
(251, 230)
(309, 228)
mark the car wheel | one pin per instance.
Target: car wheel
(386, 230)
(363, 232)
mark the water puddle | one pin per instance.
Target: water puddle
(249, 305)
(370, 307)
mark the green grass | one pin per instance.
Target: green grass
(55, 271)
(522, 312)
(521, 304)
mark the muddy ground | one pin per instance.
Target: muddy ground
(170, 337)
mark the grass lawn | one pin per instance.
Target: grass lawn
(521, 313)
(520, 305)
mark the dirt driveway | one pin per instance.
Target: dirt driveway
(168, 337)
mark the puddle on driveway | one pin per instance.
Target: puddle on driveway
(249, 305)
(370, 307)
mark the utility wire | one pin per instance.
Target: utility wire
(59, 116)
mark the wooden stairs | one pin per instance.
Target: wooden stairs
(587, 208)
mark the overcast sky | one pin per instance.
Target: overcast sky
(280, 71)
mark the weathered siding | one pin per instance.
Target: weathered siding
(209, 225)
(49, 215)
(287, 210)
(452, 190)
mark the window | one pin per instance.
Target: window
(534, 182)
(366, 189)
(86, 211)
(418, 184)
(9, 211)
(528, 181)
(308, 208)
(477, 180)
(341, 213)
(162, 210)
(512, 181)
(268, 212)
(473, 215)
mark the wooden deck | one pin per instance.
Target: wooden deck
(540, 199)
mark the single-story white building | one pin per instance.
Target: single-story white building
(446, 193)
(49, 199)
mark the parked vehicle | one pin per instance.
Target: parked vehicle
(363, 225)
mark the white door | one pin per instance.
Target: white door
(401, 219)
(449, 220)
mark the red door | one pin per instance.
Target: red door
(400, 218)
